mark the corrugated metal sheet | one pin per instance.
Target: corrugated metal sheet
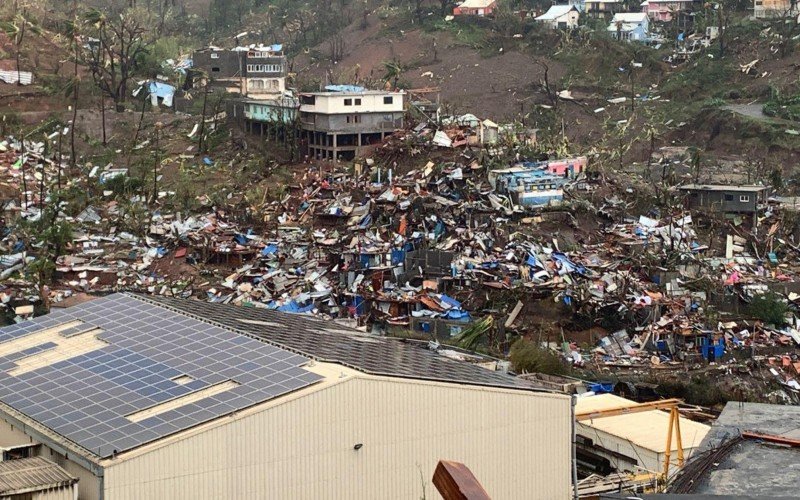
(517, 443)
(13, 77)
(32, 474)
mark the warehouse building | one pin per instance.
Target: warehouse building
(167, 398)
(634, 442)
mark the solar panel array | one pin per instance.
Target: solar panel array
(88, 397)
(327, 341)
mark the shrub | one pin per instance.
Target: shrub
(769, 308)
(528, 357)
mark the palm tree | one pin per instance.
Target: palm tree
(393, 71)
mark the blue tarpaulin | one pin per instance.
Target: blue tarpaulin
(163, 91)
(293, 307)
(458, 315)
(240, 239)
(364, 258)
(567, 264)
(344, 88)
(269, 250)
(358, 302)
(398, 256)
(450, 301)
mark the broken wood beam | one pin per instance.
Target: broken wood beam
(772, 438)
(455, 481)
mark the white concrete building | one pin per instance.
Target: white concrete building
(338, 123)
(155, 398)
(561, 17)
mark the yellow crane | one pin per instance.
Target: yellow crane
(664, 404)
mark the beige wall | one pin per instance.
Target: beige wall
(65, 493)
(517, 443)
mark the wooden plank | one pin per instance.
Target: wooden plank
(514, 313)
(455, 481)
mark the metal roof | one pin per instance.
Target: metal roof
(32, 474)
(119, 372)
(722, 187)
(647, 429)
(476, 4)
(327, 341)
(556, 11)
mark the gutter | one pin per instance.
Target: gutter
(573, 449)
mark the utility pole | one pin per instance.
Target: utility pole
(75, 83)
(24, 180)
(158, 126)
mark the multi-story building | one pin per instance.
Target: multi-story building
(603, 8)
(257, 72)
(665, 10)
(265, 72)
(339, 122)
(775, 8)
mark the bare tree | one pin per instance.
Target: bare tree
(115, 57)
(15, 30)
(544, 83)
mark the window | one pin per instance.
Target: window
(728, 197)
(264, 68)
(744, 198)
(214, 56)
(215, 69)
(348, 102)
(388, 100)
(358, 102)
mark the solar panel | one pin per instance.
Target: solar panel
(88, 397)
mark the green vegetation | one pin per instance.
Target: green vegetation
(528, 357)
(787, 107)
(472, 336)
(697, 391)
(769, 308)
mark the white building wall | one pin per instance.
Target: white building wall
(517, 444)
(370, 103)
